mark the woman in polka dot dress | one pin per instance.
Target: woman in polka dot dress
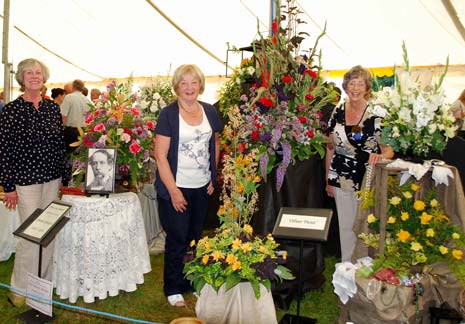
(31, 163)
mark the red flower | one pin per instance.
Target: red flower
(135, 111)
(127, 131)
(258, 125)
(301, 107)
(302, 119)
(134, 148)
(99, 127)
(275, 40)
(255, 135)
(267, 102)
(241, 147)
(286, 79)
(319, 115)
(311, 73)
(309, 97)
(274, 27)
(87, 142)
(310, 134)
(89, 119)
(151, 125)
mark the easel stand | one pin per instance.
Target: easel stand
(297, 319)
(33, 316)
(40, 228)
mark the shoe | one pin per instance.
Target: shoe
(16, 300)
(176, 300)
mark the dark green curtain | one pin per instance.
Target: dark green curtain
(380, 82)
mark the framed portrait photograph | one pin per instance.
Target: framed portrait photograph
(100, 171)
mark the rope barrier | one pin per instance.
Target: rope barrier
(39, 298)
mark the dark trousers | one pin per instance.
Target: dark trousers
(71, 135)
(181, 229)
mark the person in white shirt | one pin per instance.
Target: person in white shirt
(458, 110)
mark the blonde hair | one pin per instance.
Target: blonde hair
(358, 72)
(28, 64)
(185, 69)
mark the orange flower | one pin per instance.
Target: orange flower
(205, 259)
(231, 258)
(419, 205)
(403, 236)
(236, 266)
(457, 254)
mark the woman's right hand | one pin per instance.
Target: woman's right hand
(178, 201)
(10, 200)
(330, 190)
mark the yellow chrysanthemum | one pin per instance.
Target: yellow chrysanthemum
(455, 236)
(415, 246)
(262, 249)
(419, 205)
(205, 259)
(208, 246)
(394, 201)
(433, 203)
(443, 249)
(248, 229)
(430, 232)
(403, 236)
(391, 220)
(192, 243)
(217, 255)
(404, 216)
(246, 247)
(231, 258)
(457, 254)
(414, 187)
(371, 218)
(407, 194)
(236, 266)
(257, 179)
(425, 218)
(236, 244)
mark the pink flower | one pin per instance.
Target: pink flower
(99, 127)
(151, 125)
(309, 97)
(135, 111)
(89, 119)
(302, 119)
(134, 148)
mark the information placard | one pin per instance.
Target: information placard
(303, 223)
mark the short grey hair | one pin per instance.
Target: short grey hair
(28, 64)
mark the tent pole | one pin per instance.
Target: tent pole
(6, 64)
(454, 16)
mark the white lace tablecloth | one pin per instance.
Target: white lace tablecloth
(102, 249)
(9, 222)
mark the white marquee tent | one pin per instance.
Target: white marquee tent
(97, 40)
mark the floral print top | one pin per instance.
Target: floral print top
(352, 147)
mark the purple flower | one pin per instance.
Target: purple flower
(264, 165)
(287, 151)
(265, 137)
(280, 172)
(276, 134)
(244, 98)
(111, 85)
(123, 168)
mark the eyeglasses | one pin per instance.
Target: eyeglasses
(354, 84)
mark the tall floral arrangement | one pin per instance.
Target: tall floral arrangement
(281, 109)
(417, 118)
(115, 120)
(154, 96)
(418, 232)
(234, 253)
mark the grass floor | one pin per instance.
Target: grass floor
(148, 303)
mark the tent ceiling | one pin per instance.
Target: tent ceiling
(116, 38)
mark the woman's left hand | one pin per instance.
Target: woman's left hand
(210, 188)
(375, 158)
(10, 200)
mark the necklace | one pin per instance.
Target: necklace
(193, 111)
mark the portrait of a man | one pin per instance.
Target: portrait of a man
(100, 170)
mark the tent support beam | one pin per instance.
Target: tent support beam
(6, 64)
(455, 18)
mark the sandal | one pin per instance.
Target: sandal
(176, 300)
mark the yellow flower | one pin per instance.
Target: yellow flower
(236, 266)
(407, 194)
(421, 258)
(285, 255)
(231, 258)
(205, 259)
(419, 205)
(403, 236)
(248, 229)
(208, 245)
(425, 218)
(457, 254)
(414, 187)
(371, 218)
(433, 203)
(443, 249)
(404, 216)
(270, 237)
(226, 231)
(257, 179)
(391, 220)
(236, 244)
(246, 247)
(455, 236)
(217, 255)
(192, 243)
(415, 246)
(240, 187)
(262, 249)
(430, 232)
(221, 211)
(395, 200)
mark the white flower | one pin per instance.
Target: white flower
(251, 70)
(119, 131)
(126, 138)
(156, 96)
(450, 131)
(404, 114)
(153, 107)
(432, 128)
(379, 111)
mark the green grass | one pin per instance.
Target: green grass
(149, 304)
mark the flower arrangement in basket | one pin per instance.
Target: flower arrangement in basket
(234, 253)
(281, 109)
(418, 233)
(416, 118)
(116, 121)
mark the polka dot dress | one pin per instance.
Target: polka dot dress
(31, 143)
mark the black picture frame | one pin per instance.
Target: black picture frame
(310, 224)
(104, 185)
